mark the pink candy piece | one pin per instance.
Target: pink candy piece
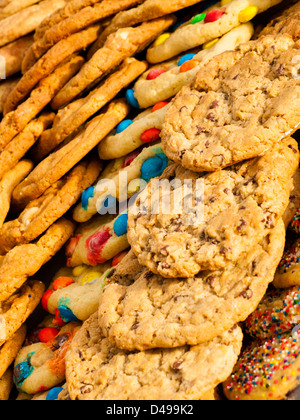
(213, 15)
(155, 73)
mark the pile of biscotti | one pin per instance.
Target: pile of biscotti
(169, 324)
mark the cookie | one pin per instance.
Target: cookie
(15, 121)
(74, 293)
(17, 148)
(14, 6)
(294, 205)
(73, 23)
(56, 165)
(41, 366)
(6, 86)
(14, 53)
(148, 10)
(6, 385)
(15, 310)
(8, 183)
(150, 375)
(163, 81)
(288, 273)
(25, 261)
(154, 312)
(78, 112)
(98, 241)
(212, 123)
(10, 349)
(71, 9)
(26, 20)
(277, 313)
(129, 135)
(121, 180)
(266, 370)
(41, 213)
(43, 67)
(207, 26)
(124, 43)
(184, 223)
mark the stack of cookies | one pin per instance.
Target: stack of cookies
(153, 139)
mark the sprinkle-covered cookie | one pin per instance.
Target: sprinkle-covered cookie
(121, 180)
(41, 213)
(156, 312)
(213, 123)
(288, 273)
(41, 366)
(165, 80)
(129, 135)
(276, 314)
(151, 375)
(266, 370)
(231, 211)
(207, 26)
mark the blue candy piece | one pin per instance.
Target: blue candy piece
(22, 371)
(154, 166)
(65, 312)
(86, 195)
(131, 99)
(120, 225)
(123, 125)
(53, 393)
(108, 206)
(185, 58)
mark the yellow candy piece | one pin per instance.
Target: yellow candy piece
(162, 39)
(90, 278)
(224, 2)
(134, 186)
(248, 14)
(210, 44)
(77, 271)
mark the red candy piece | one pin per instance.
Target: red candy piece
(159, 105)
(155, 73)
(57, 320)
(130, 158)
(188, 65)
(95, 245)
(149, 136)
(45, 299)
(47, 334)
(213, 15)
(62, 282)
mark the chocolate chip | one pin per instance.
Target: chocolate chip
(214, 105)
(199, 131)
(211, 117)
(135, 326)
(111, 273)
(247, 294)
(164, 251)
(235, 77)
(280, 70)
(210, 280)
(293, 149)
(176, 365)
(241, 225)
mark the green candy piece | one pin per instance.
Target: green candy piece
(198, 18)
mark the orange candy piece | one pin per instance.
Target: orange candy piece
(188, 65)
(62, 282)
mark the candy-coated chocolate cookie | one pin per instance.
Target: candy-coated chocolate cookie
(41, 366)
(207, 26)
(165, 80)
(121, 180)
(231, 212)
(266, 369)
(129, 135)
(152, 375)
